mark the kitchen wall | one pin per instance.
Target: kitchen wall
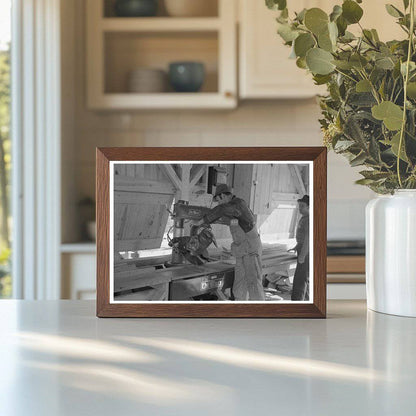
(254, 123)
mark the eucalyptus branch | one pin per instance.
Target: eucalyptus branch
(345, 75)
(406, 79)
(373, 89)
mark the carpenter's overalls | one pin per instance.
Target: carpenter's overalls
(246, 248)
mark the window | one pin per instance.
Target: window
(5, 145)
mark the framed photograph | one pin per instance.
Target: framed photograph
(211, 232)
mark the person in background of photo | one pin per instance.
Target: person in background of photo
(301, 279)
(246, 246)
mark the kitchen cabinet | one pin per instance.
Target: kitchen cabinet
(116, 46)
(265, 70)
(78, 262)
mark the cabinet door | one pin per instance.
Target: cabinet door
(265, 68)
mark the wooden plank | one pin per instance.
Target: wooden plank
(284, 197)
(138, 244)
(119, 170)
(134, 198)
(129, 184)
(131, 171)
(170, 172)
(139, 171)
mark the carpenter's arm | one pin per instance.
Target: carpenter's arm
(219, 211)
(214, 214)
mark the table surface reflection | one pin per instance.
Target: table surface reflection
(58, 359)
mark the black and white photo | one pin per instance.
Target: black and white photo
(211, 231)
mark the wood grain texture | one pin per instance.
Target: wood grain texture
(200, 309)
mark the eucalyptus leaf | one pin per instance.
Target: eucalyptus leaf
(316, 20)
(321, 79)
(276, 4)
(351, 11)
(301, 63)
(412, 67)
(336, 12)
(343, 145)
(343, 65)
(391, 114)
(364, 181)
(333, 32)
(393, 11)
(325, 42)
(358, 61)
(375, 35)
(319, 61)
(342, 25)
(286, 32)
(394, 144)
(347, 37)
(375, 175)
(363, 86)
(385, 63)
(358, 160)
(303, 43)
(411, 90)
(374, 150)
(368, 35)
(300, 17)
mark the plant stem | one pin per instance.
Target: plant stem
(345, 75)
(406, 80)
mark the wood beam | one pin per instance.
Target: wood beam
(171, 174)
(297, 177)
(186, 182)
(197, 175)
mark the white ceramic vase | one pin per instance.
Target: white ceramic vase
(391, 253)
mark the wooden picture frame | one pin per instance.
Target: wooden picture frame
(316, 308)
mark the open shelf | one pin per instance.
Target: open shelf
(116, 46)
(160, 24)
(127, 51)
(130, 101)
(108, 9)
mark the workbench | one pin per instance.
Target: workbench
(139, 274)
(57, 358)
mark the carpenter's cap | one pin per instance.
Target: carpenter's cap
(304, 199)
(222, 188)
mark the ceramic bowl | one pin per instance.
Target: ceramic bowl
(136, 8)
(186, 76)
(147, 80)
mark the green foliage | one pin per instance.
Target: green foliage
(5, 280)
(5, 167)
(369, 112)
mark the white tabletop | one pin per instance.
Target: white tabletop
(56, 358)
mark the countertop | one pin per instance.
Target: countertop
(57, 358)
